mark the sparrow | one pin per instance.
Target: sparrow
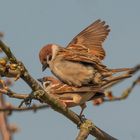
(71, 96)
(80, 63)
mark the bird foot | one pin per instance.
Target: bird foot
(27, 101)
(82, 117)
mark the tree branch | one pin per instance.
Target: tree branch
(8, 52)
(4, 128)
(85, 129)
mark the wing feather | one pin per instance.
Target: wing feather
(91, 38)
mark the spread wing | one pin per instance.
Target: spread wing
(90, 39)
(82, 56)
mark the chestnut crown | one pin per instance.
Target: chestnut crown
(45, 54)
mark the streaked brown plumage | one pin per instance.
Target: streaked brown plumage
(79, 64)
(71, 96)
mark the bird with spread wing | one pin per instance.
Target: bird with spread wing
(80, 63)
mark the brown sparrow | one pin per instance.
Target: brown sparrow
(71, 96)
(79, 64)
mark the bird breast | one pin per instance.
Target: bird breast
(72, 73)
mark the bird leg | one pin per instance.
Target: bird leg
(81, 115)
(28, 100)
(71, 101)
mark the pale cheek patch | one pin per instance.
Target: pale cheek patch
(54, 50)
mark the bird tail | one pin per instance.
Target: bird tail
(120, 70)
(111, 72)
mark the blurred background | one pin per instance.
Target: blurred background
(30, 24)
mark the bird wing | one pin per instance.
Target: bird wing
(63, 89)
(90, 39)
(84, 57)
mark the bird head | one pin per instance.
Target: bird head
(45, 55)
(47, 81)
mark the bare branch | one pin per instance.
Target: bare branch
(34, 108)
(109, 97)
(8, 52)
(6, 135)
(125, 93)
(12, 94)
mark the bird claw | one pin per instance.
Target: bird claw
(27, 101)
(82, 117)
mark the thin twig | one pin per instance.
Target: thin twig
(12, 94)
(4, 126)
(125, 93)
(17, 109)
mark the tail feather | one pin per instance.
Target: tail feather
(120, 70)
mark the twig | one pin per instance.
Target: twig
(4, 129)
(17, 109)
(125, 93)
(12, 94)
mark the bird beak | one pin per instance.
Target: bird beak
(44, 66)
(40, 80)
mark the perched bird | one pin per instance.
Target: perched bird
(79, 64)
(71, 96)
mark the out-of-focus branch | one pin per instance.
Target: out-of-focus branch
(125, 93)
(4, 127)
(109, 97)
(45, 97)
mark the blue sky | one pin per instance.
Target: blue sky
(30, 24)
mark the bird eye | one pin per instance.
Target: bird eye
(44, 59)
(50, 57)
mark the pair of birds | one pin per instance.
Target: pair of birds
(79, 67)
